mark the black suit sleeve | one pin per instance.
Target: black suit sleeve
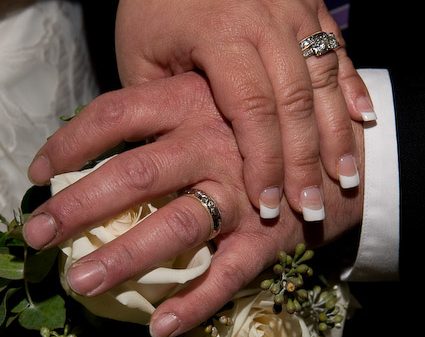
(384, 34)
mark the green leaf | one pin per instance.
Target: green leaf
(3, 283)
(3, 312)
(77, 110)
(49, 313)
(3, 304)
(37, 266)
(4, 250)
(11, 268)
(10, 320)
(3, 220)
(21, 306)
(3, 238)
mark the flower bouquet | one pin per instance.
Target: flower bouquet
(35, 299)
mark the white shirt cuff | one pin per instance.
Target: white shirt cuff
(378, 252)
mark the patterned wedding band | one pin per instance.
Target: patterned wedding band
(210, 206)
(318, 44)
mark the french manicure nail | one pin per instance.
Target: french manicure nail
(347, 172)
(364, 105)
(312, 204)
(270, 203)
(40, 230)
(40, 170)
(86, 277)
(164, 325)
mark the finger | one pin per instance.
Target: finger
(244, 95)
(337, 144)
(300, 138)
(179, 226)
(231, 269)
(128, 179)
(134, 66)
(127, 114)
(354, 89)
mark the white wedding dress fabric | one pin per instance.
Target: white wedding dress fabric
(44, 73)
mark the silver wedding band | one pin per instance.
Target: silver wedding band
(318, 44)
(210, 206)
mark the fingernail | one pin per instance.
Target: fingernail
(164, 325)
(84, 278)
(312, 204)
(347, 172)
(40, 170)
(40, 230)
(270, 203)
(365, 106)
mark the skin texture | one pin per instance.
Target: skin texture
(194, 147)
(289, 114)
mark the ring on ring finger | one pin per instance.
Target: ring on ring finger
(318, 44)
(210, 206)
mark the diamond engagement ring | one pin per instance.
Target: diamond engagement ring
(318, 44)
(210, 206)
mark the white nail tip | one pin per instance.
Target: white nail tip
(268, 212)
(369, 116)
(313, 214)
(349, 181)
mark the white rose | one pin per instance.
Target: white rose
(253, 316)
(134, 300)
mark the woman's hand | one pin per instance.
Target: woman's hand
(194, 148)
(289, 114)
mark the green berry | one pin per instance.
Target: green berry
(279, 298)
(278, 269)
(297, 305)
(223, 320)
(288, 260)
(281, 255)
(290, 307)
(45, 332)
(276, 288)
(323, 327)
(302, 294)
(338, 319)
(308, 255)
(299, 250)
(323, 317)
(266, 284)
(309, 272)
(302, 268)
(330, 304)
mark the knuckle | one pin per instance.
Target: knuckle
(64, 207)
(296, 100)
(303, 161)
(108, 110)
(119, 255)
(256, 109)
(139, 172)
(232, 275)
(341, 130)
(324, 74)
(183, 226)
(62, 145)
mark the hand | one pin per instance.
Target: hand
(194, 147)
(250, 53)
